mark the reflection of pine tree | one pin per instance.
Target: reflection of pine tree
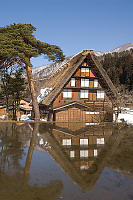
(10, 189)
(15, 185)
(11, 148)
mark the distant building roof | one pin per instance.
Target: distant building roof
(27, 99)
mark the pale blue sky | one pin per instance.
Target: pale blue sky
(73, 25)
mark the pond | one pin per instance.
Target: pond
(64, 161)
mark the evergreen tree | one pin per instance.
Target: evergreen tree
(119, 67)
(12, 88)
(18, 46)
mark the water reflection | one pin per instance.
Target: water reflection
(84, 153)
(13, 178)
(77, 154)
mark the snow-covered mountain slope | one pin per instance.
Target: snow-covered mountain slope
(49, 69)
(125, 47)
(99, 53)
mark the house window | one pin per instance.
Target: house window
(66, 142)
(73, 82)
(95, 152)
(95, 83)
(83, 69)
(100, 140)
(84, 167)
(84, 82)
(67, 93)
(100, 94)
(84, 94)
(72, 154)
(91, 113)
(83, 153)
(83, 141)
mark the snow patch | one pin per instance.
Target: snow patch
(98, 53)
(116, 50)
(126, 116)
(129, 48)
(43, 93)
(25, 117)
(3, 117)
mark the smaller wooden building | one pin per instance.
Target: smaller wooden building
(2, 110)
(80, 91)
(25, 107)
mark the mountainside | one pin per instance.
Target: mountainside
(119, 67)
(125, 47)
(45, 71)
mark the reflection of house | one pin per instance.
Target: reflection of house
(84, 148)
(78, 154)
(79, 91)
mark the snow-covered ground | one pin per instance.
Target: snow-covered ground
(3, 117)
(25, 117)
(126, 116)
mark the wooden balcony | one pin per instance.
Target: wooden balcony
(83, 88)
(85, 77)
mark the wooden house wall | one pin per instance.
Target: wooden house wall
(78, 115)
(2, 111)
(76, 97)
(103, 106)
(60, 100)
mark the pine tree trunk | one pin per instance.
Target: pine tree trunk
(6, 97)
(33, 93)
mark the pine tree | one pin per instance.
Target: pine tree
(18, 45)
(12, 88)
(119, 67)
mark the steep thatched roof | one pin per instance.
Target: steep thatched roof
(59, 79)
